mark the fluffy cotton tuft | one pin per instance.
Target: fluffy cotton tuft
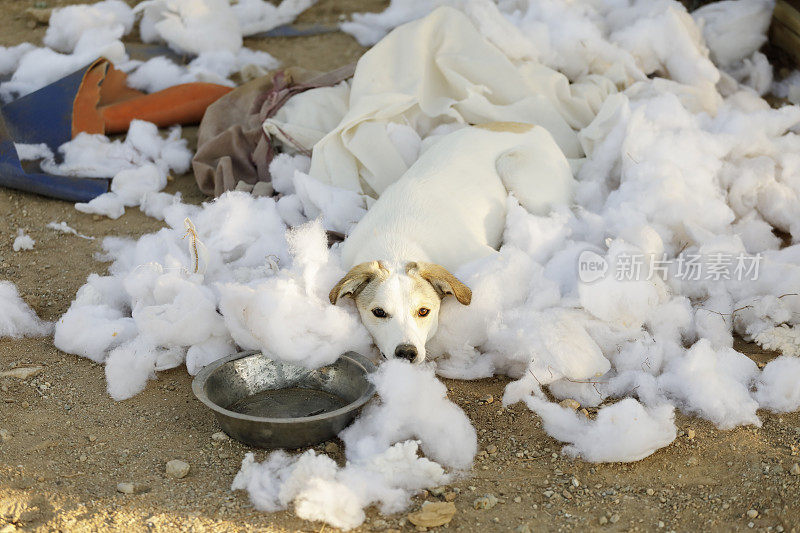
(191, 26)
(68, 24)
(257, 16)
(622, 432)
(776, 388)
(17, 319)
(23, 241)
(413, 405)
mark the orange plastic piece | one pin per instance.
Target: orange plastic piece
(105, 104)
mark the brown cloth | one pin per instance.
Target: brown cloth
(231, 144)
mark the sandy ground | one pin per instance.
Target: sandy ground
(70, 444)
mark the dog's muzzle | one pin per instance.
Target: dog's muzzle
(406, 351)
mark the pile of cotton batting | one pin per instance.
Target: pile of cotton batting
(211, 30)
(634, 293)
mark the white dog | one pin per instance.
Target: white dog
(448, 209)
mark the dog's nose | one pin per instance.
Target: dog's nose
(406, 351)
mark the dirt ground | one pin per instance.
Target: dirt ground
(70, 444)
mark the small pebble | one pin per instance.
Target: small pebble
(650, 492)
(614, 518)
(131, 488)
(795, 470)
(752, 513)
(437, 491)
(485, 502)
(22, 372)
(487, 399)
(449, 496)
(220, 436)
(569, 403)
(491, 448)
(603, 520)
(177, 469)
(263, 188)
(433, 514)
(5, 435)
(690, 434)
(517, 499)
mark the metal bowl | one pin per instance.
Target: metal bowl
(269, 404)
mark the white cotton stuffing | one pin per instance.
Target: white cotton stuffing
(139, 166)
(214, 66)
(734, 29)
(97, 156)
(788, 88)
(413, 405)
(256, 16)
(153, 204)
(79, 34)
(17, 319)
(38, 67)
(320, 490)
(154, 301)
(107, 204)
(714, 384)
(282, 169)
(625, 431)
(68, 24)
(22, 241)
(10, 56)
(63, 227)
(339, 209)
(383, 466)
(776, 388)
(265, 315)
(191, 26)
(32, 152)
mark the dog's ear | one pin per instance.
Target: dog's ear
(355, 281)
(442, 280)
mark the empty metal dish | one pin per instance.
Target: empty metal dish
(269, 404)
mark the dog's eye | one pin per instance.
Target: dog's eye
(378, 312)
(423, 311)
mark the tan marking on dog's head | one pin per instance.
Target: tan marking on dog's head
(356, 280)
(442, 280)
(510, 127)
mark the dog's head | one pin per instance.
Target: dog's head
(400, 306)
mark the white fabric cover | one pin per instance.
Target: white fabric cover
(433, 71)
